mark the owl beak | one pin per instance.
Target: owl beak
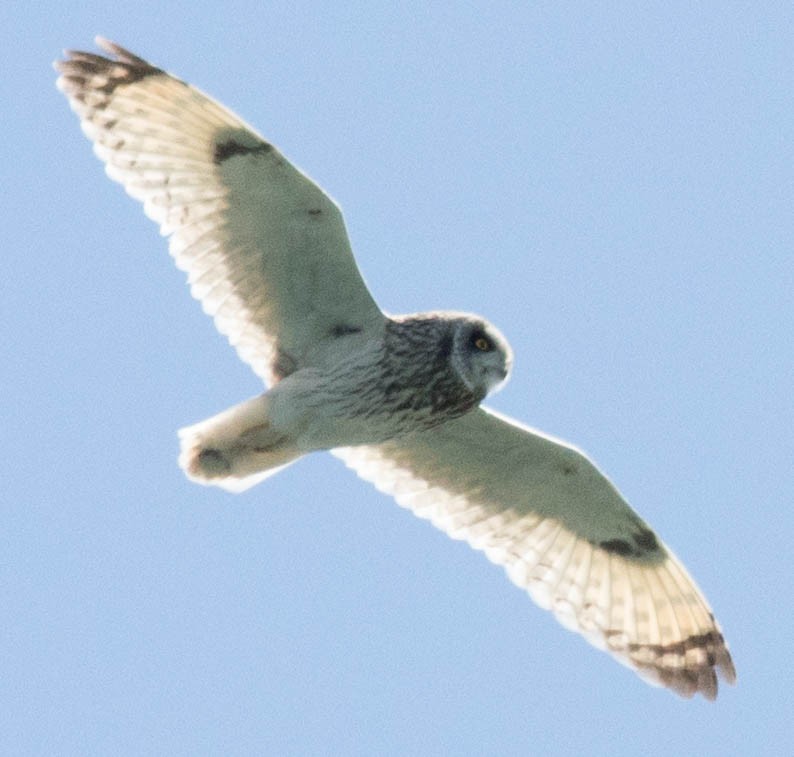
(498, 378)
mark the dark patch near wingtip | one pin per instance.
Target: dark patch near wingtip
(231, 147)
(82, 72)
(645, 543)
(315, 212)
(646, 540)
(671, 664)
(712, 642)
(617, 546)
(568, 469)
(344, 329)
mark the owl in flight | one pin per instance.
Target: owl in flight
(396, 397)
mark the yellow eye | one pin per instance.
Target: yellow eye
(481, 343)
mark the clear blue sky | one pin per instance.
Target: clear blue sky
(611, 184)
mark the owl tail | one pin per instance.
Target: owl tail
(236, 448)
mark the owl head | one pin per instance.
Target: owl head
(480, 355)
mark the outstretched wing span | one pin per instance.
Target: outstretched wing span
(265, 248)
(563, 532)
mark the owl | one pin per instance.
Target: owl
(397, 398)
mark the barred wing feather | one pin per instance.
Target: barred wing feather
(563, 532)
(265, 248)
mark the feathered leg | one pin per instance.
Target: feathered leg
(236, 448)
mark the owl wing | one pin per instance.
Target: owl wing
(265, 248)
(542, 510)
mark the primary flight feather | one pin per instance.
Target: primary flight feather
(397, 398)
